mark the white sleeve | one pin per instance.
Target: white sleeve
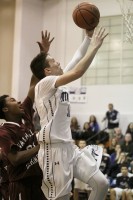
(46, 86)
(81, 51)
(116, 120)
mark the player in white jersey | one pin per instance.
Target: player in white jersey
(59, 159)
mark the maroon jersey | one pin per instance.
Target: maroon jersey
(4, 183)
(3, 171)
(20, 137)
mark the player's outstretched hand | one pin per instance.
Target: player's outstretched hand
(98, 37)
(44, 45)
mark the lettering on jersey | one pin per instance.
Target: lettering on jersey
(24, 139)
(64, 96)
(21, 144)
(33, 161)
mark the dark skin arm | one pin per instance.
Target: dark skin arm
(44, 46)
(17, 158)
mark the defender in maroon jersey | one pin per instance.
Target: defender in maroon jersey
(19, 143)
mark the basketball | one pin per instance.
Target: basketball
(86, 16)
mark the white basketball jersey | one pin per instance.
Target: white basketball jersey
(54, 110)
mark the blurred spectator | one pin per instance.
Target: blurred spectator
(128, 194)
(105, 162)
(112, 117)
(122, 183)
(115, 156)
(112, 146)
(118, 135)
(103, 137)
(87, 134)
(127, 145)
(130, 129)
(115, 167)
(93, 124)
(131, 167)
(82, 144)
(75, 128)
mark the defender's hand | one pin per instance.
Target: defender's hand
(44, 45)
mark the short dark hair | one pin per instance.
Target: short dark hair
(124, 165)
(38, 64)
(2, 105)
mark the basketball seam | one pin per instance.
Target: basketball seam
(79, 12)
(85, 20)
(91, 13)
(79, 7)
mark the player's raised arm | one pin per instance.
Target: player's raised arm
(96, 42)
(80, 52)
(44, 46)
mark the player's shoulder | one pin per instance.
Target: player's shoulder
(46, 79)
(3, 129)
(46, 85)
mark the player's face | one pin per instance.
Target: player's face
(13, 107)
(54, 66)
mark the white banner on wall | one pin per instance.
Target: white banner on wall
(78, 94)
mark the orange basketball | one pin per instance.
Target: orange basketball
(86, 15)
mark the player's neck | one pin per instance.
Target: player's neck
(13, 119)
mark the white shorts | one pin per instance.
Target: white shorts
(81, 185)
(61, 162)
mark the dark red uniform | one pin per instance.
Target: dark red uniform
(4, 182)
(24, 180)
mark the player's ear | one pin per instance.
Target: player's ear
(5, 109)
(47, 71)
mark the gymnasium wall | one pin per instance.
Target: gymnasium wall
(7, 10)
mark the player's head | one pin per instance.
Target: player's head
(2, 106)
(10, 108)
(44, 65)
